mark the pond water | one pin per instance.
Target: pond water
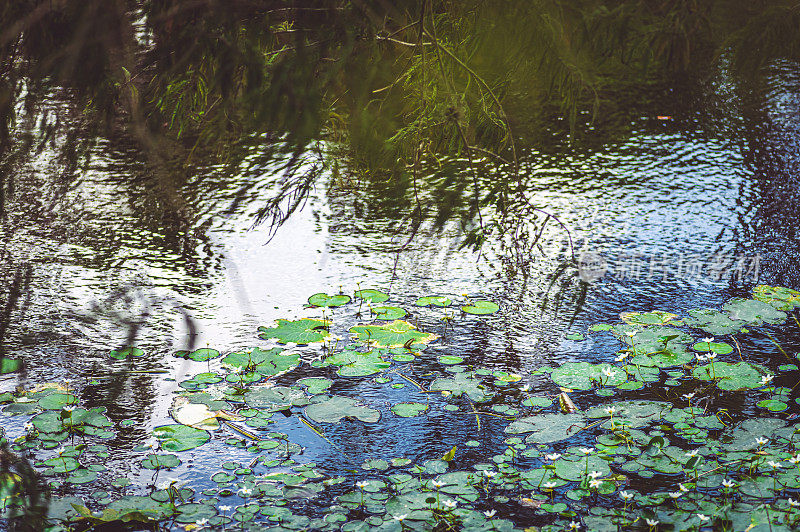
(696, 206)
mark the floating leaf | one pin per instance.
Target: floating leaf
(269, 363)
(303, 331)
(160, 461)
(398, 333)
(584, 375)
(753, 312)
(388, 313)
(779, 297)
(324, 300)
(9, 365)
(275, 398)
(176, 438)
(481, 307)
(316, 385)
(409, 409)
(433, 301)
(202, 354)
(461, 383)
(736, 376)
(773, 405)
(334, 408)
(547, 428)
(714, 322)
(122, 354)
(371, 295)
(357, 364)
(655, 317)
(198, 415)
(720, 348)
(449, 360)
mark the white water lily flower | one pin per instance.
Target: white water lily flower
(587, 450)
(691, 453)
(703, 518)
(490, 513)
(652, 522)
(766, 379)
(400, 517)
(608, 372)
(728, 483)
(774, 465)
(450, 503)
(554, 456)
(626, 496)
(631, 334)
(793, 503)
(675, 494)
(224, 508)
(682, 487)
(688, 396)
(201, 522)
(595, 474)
(245, 491)
(594, 483)
(621, 357)
(711, 356)
(761, 441)
(363, 484)
(550, 485)
(574, 525)
(438, 484)
(610, 410)
(795, 459)
(490, 474)
(708, 340)
(700, 357)
(69, 408)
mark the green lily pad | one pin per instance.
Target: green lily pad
(275, 398)
(356, 364)
(315, 385)
(176, 438)
(547, 428)
(460, 384)
(202, 355)
(334, 408)
(81, 476)
(631, 414)
(655, 317)
(90, 422)
(57, 401)
(449, 360)
(388, 313)
(9, 365)
(122, 354)
(409, 409)
(271, 362)
(371, 295)
(575, 469)
(713, 322)
(753, 312)
(731, 376)
(720, 348)
(481, 307)
(324, 300)
(160, 461)
(773, 405)
(779, 297)
(303, 331)
(584, 375)
(398, 333)
(434, 301)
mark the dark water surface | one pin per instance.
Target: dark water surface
(714, 184)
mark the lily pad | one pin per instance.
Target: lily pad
(324, 300)
(460, 384)
(176, 438)
(720, 348)
(202, 354)
(655, 317)
(779, 297)
(409, 409)
(9, 365)
(388, 313)
(753, 312)
(358, 364)
(160, 461)
(269, 363)
(481, 307)
(315, 385)
(584, 375)
(735, 376)
(548, 428)
(275, 398)
(434, 301)
(302, 331)
(713, 322)
(398, 333)
(371, 295)
(334, 408)
(127, 352)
